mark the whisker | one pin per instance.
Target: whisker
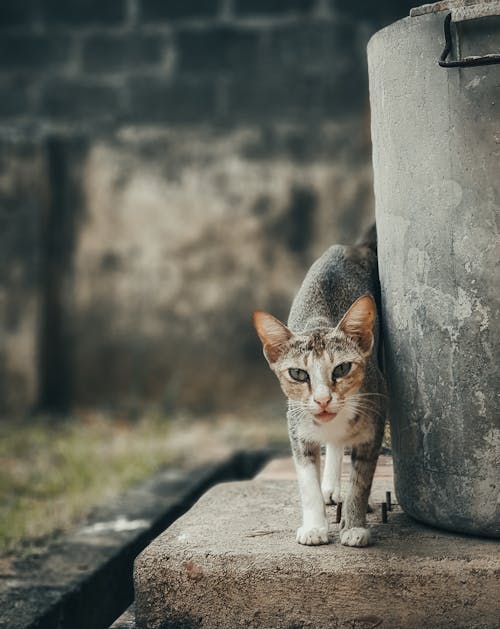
(359, 404)
(366, 412)
(361, 396)
(371, 395)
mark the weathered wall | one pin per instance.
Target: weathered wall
(179, 164)
(185, 234)
(22, 192)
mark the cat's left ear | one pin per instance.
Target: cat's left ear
(358, 322)
(273, 334)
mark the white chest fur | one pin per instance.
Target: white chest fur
(338, 431)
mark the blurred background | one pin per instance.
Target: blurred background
(166, 168)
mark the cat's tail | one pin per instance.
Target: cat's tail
(369, 238)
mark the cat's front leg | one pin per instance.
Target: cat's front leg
(314, 529)
(307, 456)
(353, 527)
(332, 474)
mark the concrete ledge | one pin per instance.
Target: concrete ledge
(126, 620)
(232, 560)
(83, 580)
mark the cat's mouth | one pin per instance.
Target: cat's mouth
(323, 417)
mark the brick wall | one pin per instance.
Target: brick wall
(166, 167)
(182, 61)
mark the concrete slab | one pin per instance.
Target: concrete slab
(232, 561)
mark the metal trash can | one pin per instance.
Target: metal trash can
(436, 156)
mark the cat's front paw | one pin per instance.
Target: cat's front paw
(312, 536)
(331, 496)
(356, 536)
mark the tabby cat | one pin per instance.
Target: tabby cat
(326, 362)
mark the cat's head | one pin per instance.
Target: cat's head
(321, 369)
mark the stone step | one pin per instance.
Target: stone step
(232, 561)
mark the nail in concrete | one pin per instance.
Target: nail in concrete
(384, 512)
(388, 500)
(339, 512)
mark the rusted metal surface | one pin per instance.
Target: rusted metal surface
(461, 10)
(433, 7)
(476, 10)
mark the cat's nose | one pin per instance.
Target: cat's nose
(323, 398)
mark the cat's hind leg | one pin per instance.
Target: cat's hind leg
(353, 526)
(332, 474)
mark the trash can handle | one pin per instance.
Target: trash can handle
(466, 62)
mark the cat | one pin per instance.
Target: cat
(326, 360)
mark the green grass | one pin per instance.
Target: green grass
(53, 473)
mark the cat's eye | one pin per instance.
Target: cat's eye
(299, 374)
(341, 370)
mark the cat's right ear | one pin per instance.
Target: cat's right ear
(358, 322)
(273, 334)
